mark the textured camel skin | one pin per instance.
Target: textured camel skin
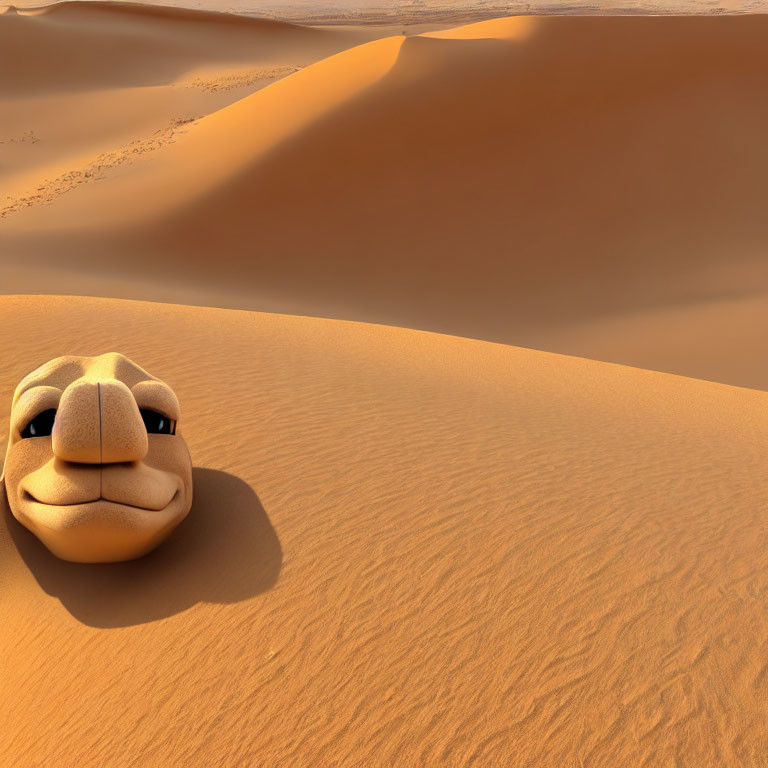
(99, 489)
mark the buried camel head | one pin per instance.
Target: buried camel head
(96, 467)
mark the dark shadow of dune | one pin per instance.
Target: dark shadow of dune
(224, 552)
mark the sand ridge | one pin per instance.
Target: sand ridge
(512, 180)
(105, 79)
(124, 44)
(97, 168)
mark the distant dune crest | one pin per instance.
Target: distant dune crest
(540, 181)
(442, 11)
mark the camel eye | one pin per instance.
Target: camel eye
(41, 425)
(156, 423)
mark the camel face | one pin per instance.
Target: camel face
(96, 467)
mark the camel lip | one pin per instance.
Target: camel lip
(28, 497)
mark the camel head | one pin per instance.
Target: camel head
(96, 466)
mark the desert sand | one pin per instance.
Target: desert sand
(586, 185)
(406, 549)
(415, 540)
(86, 86)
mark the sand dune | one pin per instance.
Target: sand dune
(406, 549)
(86, 87)
(510, 180)
(81, 45)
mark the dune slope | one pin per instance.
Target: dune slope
(406, 549)
(508, 180)
(84, 45)
(88, 87)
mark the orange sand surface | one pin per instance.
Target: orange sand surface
(90, 86)
(406, 549)
(586, 185)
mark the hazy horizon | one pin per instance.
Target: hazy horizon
(413, 11)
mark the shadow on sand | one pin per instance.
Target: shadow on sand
(225, 551)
